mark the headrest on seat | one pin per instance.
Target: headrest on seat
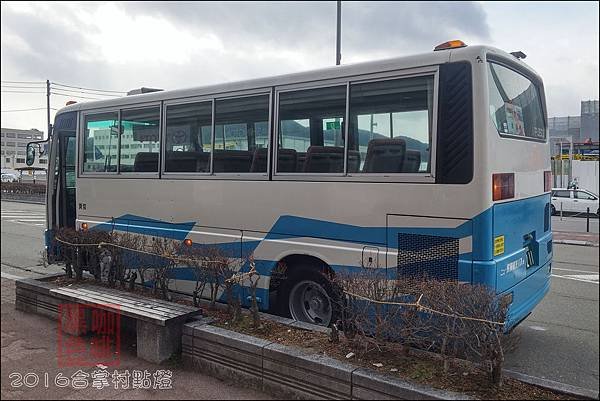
(385, 156)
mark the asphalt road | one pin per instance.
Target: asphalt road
(574, 224)
(558, 341)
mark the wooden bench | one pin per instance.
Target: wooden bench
(158, 323)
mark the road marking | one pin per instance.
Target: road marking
(581, 277)
(538, 328)
(572, 270)
(24, 217)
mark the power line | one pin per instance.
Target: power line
(88, 93)
(23, 87)
(40, 108)
(23, 82)
(11, 91)
(89, 89)
(81, 97)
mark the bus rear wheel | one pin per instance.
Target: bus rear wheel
(310, 298)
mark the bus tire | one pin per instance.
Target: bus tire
(308, 295)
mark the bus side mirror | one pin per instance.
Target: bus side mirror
(30, 154)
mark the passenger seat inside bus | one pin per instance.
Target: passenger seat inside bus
(286, 162)
(186, 162)
(232, 161)
(300, 159)
(412, 161)
(385, 156)
(146, 162)
(324, 159)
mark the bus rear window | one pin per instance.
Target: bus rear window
(515, 104)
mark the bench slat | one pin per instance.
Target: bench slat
(139, 302)
(103, 303)
(127, 295)
(139, 312)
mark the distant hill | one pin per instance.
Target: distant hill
(292, 128)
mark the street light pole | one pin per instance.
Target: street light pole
(338, 47)
(48, 106)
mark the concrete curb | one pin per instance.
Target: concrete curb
(30, 201)
(291, 372)
(380, 390)
(575, 242)
(567, 389)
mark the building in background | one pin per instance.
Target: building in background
(14, 148)
(581, 130)
(589, 121)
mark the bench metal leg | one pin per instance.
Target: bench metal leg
(158, 343)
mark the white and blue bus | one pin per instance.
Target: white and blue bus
(434, 164)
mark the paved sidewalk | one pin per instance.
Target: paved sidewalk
(576, 238)
(29, 346)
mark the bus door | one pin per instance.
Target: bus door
(67, 174)
(62, 172)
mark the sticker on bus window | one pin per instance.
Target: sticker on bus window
(499, 245)
(514, 119)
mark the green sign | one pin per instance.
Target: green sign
(332, 125)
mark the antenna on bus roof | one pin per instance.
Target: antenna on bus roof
(520, 55)
(142, 90)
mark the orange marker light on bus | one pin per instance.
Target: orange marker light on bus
(70, 102)
(187, 242)
(503, 186)
(451, 44)
(84, 226)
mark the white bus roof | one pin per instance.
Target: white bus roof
(397, 63)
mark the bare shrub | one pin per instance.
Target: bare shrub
(79, 250)
(452, 319)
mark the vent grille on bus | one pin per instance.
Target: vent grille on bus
(427, 256)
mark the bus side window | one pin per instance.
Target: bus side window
(139, 140)
(188, 137)
(100, 142)
(390, 126)
(241, 129)
(311, 130)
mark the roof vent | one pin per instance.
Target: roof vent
(142, 90)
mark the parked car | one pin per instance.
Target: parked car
(574, 201)
(7, 177)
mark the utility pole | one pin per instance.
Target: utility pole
(338, 47)
(48, 107)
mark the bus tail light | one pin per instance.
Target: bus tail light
(547, 181)
(451, 44)
(503, 186)
(84, 226)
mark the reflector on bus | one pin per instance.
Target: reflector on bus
(451, 44)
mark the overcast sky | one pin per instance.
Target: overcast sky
(121, 46)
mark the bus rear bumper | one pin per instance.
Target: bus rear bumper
(527, 294)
